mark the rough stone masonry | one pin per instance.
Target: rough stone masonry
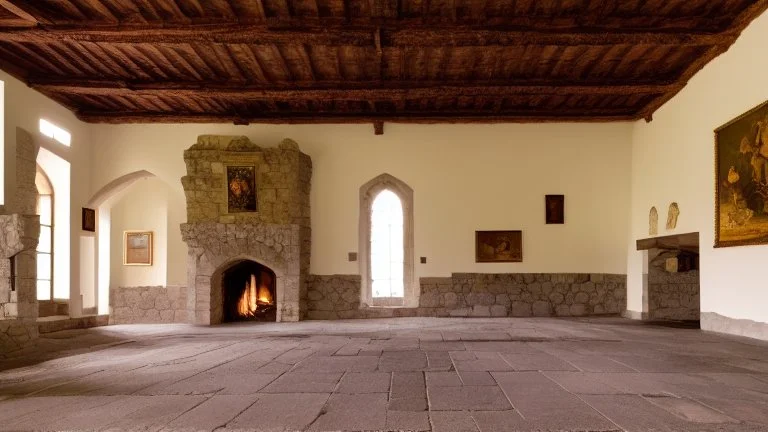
(277, 235)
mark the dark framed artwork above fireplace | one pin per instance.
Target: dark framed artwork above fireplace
(241, 189)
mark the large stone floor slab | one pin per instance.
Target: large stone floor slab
(415, 374)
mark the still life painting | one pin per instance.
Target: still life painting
(741, 171)
(498, 246)
(137, 248)
(241, 189)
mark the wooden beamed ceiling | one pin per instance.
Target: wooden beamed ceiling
(338, 61)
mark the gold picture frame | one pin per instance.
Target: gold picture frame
(137, 248)
(741, 180)
(498, 246)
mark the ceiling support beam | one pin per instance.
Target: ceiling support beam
(573, 116)
(339, 91)
(425, 36)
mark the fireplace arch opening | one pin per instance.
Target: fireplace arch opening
(249, 292)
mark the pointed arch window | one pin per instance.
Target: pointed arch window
(387, 253)
(386, 243)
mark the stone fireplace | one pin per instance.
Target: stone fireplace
(268, 236)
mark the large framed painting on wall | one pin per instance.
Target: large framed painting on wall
(241, 189)
(137, 248)
(741, 173)
(498, 246)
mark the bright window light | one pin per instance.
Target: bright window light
(52, 131)
(387, 251)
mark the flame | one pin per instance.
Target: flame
(253, 297)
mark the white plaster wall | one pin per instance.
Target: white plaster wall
(465, 178)
(23, 108)
(673, 160)
(143, 207)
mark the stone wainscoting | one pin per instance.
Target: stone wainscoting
(146, 305)
(673, 296)
(16, 334)
(479, 295)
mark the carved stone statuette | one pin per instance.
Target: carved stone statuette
(653, 222)
(672, 214)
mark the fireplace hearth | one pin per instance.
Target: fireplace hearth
(249, 293)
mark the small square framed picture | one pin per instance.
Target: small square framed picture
(137, 248)
(89, 219)
(554, 209)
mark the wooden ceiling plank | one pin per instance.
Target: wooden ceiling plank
(244, 54)
(18, 66)
(99, 8)
(25, 11)
(92, 64)
(72, 10)
(130, 65)
(145, 62)
(105, 59)
(37, 58)
(162, 65)
(198, 60)
(146, 7)
(225, 58)
(180, 63)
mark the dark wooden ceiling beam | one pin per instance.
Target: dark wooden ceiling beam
(388, 91)
(528, 116)
(346, 35)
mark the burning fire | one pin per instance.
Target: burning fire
(253, 297)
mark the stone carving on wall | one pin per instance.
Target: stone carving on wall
(672, 214)
(653, 222)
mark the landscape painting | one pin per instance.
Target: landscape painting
(241, 189)
(498, 246)
(741, 171)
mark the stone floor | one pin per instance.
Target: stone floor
(400, 374)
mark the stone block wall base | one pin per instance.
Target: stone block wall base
(148, 305)
(711, 321)
(16, 335)
(478, 295)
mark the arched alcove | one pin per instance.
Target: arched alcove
(102, 202)
(368, 195)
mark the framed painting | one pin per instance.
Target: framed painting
(554, 206)
(498, 246)
(741, 180)
(89, 219)
(241, 189)
(137, 248)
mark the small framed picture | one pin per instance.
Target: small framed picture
(554, 206)
(498, 246)
(137, 248)
(89, 219)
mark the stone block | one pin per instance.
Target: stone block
(541, 308)
(499, 310)
(520, 309)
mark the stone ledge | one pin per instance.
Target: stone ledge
(714, 322)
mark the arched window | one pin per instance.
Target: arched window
(387, 253)
(386, 243)
(45, 241)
